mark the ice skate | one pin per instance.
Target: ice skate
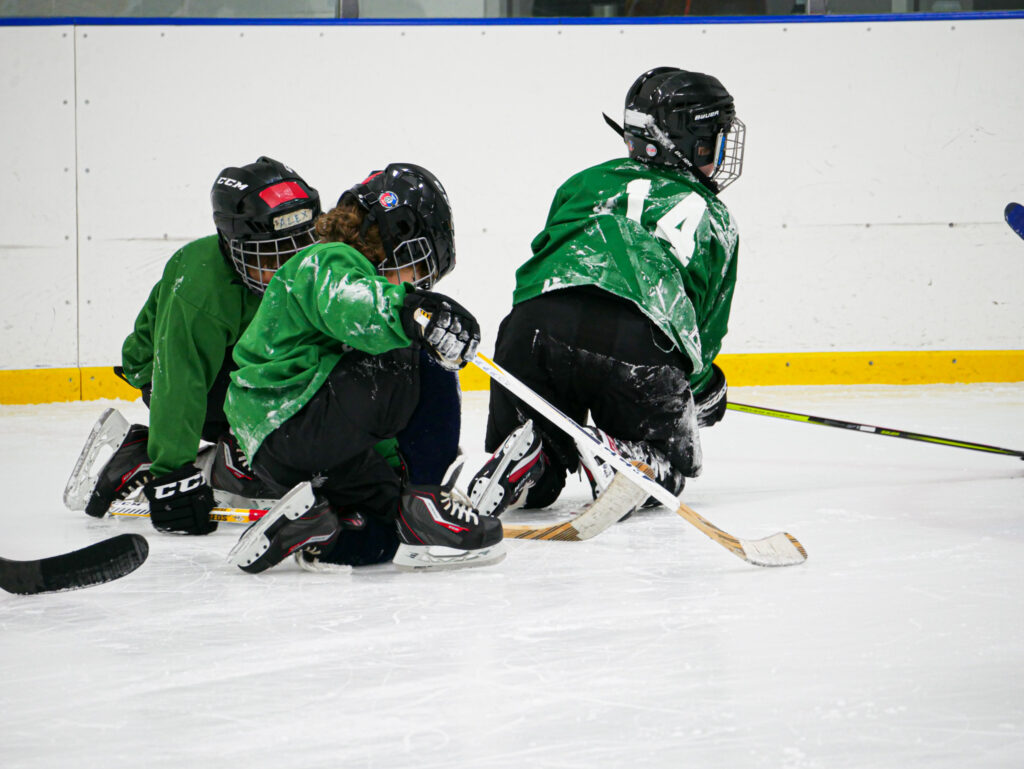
(108, 433)
(233, 481)
(600, 473)
(311, 558)
(124, 472)
(438, 528)
(297, 521)
(502, 483)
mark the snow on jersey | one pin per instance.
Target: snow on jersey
(654, 236)
(324, 302)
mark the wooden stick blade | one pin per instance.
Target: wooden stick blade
(780, 549)
(620, 498)
(777, 550)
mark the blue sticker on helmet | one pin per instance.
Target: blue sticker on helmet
(388, 199)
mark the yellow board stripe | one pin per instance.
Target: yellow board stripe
(46, 385)
(890, 367)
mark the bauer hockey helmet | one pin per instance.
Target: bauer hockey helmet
(684, 119)
(411, 209)
(264, 213)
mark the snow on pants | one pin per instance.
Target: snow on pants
(586, 350)
(330, 441)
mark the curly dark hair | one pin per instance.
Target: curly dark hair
(342, 224)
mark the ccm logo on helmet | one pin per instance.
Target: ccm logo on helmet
(227, 181)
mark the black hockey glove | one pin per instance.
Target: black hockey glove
(181, 502)
(712, 400)
(443, 325)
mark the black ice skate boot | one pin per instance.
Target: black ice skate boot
(233, 481)
(439, 529)
(125, 472)
(502, 482)
(297, 521)
(600, 473)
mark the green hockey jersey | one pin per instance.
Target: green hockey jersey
(193, 316)
(654, 236)
(322, 303)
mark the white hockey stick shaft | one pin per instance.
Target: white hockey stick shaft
(780, 549)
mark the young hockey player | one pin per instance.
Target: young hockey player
(330, 373)
(624, 304)
(179, 355)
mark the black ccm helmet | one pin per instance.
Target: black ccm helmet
(264, 213)
(684, 119)
(411, 209)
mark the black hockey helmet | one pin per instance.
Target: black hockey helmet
(264, 213)
(411, 209)
(684, 119)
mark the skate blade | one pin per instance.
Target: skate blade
(108, 432)
(254, 541)
(514, 453)
(438, 558)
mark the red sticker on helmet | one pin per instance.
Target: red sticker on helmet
(282, 193)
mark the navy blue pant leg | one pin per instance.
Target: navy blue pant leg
(430, 441)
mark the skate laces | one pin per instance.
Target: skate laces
(632, 450)
(237, 456)
(309, 560)
(141, 478)
(459, 506)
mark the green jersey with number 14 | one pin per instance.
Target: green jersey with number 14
(654, 236)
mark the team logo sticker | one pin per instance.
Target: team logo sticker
(388, 199)
(651, 150)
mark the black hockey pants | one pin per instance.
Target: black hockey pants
(366, 399)
(584, 349)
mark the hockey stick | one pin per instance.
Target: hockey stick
(612, 505)
(1014, 214)
(93, 565)
(220, 514)
(621, 497)
(780, 549)
(824, 421)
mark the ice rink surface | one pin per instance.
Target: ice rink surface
(900, 643)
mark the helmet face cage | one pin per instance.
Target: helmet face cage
(411, 261)
(265, 214)
(256, 261)
(729, 158)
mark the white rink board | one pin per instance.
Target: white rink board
(38, 303)
(865, 141)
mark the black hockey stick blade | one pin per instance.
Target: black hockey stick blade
(1014, 214)
(93, 565)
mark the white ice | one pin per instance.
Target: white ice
(900, 643)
